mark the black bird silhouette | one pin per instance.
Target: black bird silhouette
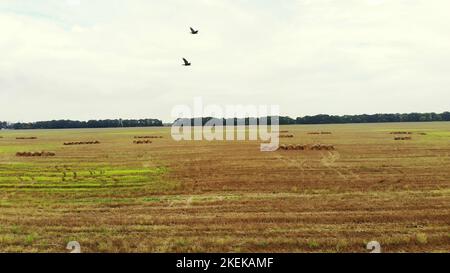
(193, 31)
(186, 63)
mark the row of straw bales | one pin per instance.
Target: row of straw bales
(141, 137)
(35, 154)
(142, 142)
(402, 138)
(26, 137)
(304, 147)
(82, 143)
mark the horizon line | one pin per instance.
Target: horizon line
(164, 122)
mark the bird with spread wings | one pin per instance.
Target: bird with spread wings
(193, 31)
(186, 63)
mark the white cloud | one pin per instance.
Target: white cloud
(107, 59)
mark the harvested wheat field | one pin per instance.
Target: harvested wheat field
(199, 196)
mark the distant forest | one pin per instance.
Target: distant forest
(317, 119)
(75, 124)
(327, 119)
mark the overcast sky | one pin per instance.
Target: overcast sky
(85, 59)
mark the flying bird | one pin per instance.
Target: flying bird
(193, 31)
(186, 63)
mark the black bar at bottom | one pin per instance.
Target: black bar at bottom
(225, 262)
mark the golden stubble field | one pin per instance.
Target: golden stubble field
(170, 196)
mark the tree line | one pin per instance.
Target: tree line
(326, 119)
(375, 118)
(283, 120)
(76, 124)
